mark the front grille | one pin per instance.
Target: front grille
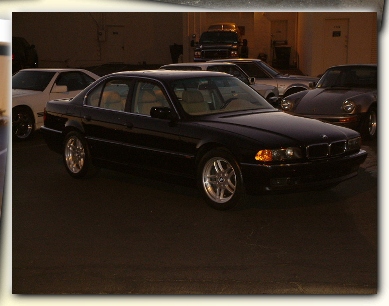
(323, 150)
(215, 54)
(337, 148)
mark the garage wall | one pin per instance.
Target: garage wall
(80, 39)
(362, 39)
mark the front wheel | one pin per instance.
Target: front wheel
(76, 155)
(220, 179)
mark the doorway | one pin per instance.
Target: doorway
(335, 42)
(115, 44)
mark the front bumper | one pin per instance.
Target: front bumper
(262, 178)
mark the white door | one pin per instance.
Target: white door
(279, 30)
(335, 42)
(115, 44)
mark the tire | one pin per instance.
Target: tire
(23, 123)
(220, 179)
(368, 128)
(76, 156)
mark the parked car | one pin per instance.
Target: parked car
(160, 120)
(346, 95)
(265, 74)
(269, 92)
(32, 88)
(24, 55)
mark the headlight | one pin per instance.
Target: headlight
(354, 144)
(197, 54)
(290, 153)
(287, 104)
(234, 53)
(348, 106)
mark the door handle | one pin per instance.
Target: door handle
(87, 118)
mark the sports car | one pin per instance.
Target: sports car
(346, 95)
(33, 88)
(207, 126)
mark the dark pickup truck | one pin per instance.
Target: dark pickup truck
(220, 41)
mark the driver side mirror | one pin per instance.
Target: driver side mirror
(162, 113)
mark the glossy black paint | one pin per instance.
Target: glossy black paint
(176, 144)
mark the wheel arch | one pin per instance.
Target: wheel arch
(73, 125)
(26, 107)
(294, 89)
(214, 145)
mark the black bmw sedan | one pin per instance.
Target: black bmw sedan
(209, 126)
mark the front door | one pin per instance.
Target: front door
(335, 42)
(115, 44)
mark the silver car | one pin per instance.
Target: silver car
(265, 74)
(269, 92)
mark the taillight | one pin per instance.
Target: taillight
(44, 114)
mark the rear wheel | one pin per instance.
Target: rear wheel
(76, 155)
(220, 179)
(369, 124)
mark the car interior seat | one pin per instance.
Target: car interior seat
(148, 100)
(193, 102)
(112, 100)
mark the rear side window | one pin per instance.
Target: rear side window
(74, 80)
(110, 95)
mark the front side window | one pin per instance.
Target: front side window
(231, 69)
(146, 96)
(253, 70)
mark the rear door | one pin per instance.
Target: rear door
(129, 135)
(105, 121)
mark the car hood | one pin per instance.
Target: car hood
(299, 77)
(325, 101)
(275, 128)
(23, 92)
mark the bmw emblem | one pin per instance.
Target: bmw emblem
(324, 137)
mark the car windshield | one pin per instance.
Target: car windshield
(346, 77)
(216, 94)
(32, 80)
(219, 37)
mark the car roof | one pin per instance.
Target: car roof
(237, 60)
(353, 65)
(53, 69)
(199, 64)
(168, 74)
